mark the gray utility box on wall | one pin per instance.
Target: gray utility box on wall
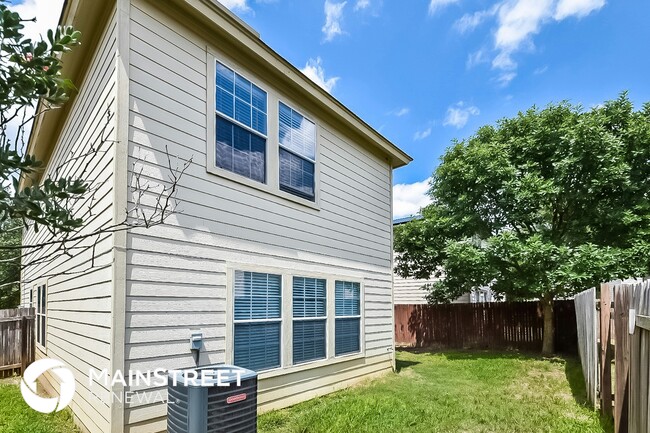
(212, 401)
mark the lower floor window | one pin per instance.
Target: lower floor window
(348, 317)
(257, 345)
(258, 323)
(262, 332)
(308, 340)
(348, 336)
(41, 313)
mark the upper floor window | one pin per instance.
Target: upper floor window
(258, 308)
(241, 125)
(297, 137)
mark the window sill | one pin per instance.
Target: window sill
(309, 365)
(262, 187)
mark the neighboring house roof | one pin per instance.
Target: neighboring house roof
(398, 221)
(211, 17)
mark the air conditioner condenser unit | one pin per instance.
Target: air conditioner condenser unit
(212, 399)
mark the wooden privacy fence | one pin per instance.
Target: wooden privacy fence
(497, 325)
(16, 340)
(587, 326)
(624, 329)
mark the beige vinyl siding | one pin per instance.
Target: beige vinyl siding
(177, 272)
(79, 288)
(411, 291)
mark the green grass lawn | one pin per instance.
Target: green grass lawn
(17, 417)
(466, 392)
(453, 392)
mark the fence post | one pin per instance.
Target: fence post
(24, 342)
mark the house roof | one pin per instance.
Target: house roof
(208, 16)
(398, 221)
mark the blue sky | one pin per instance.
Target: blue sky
(424, 72)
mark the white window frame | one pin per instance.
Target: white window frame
(247, 321)
(307, 319)
(234, 121)
(286, 149)
(40, 316)
(272, 185)
(359, 316)
(286, 336)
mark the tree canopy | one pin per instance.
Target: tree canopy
(539, 206)
(31, 71)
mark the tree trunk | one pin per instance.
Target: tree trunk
(548, 339)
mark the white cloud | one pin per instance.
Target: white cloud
(409, 198)
(540, 71)
(469, 22)
(361, 4)
(421, 135)
(476, 58)
(333, 16)
(314, 70)
(46, 12)
(504, 61)
(505, 78)
(578, 8)
(435, 5)
(235, 5)
(458, 114)
(519, 20)
(400, 112)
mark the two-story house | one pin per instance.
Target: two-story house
(280, 253)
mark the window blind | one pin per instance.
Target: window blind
(297, 137)
(258, 309)
(348, 317)
(309, 302)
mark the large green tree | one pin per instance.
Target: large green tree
(540, 206)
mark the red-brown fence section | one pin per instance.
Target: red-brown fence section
(498, 325)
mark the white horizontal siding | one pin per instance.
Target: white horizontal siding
(79, 285)
(176, 272)
(412, 291)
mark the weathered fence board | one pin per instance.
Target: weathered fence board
(639, 411)
(606, 349)
(16, 340)
(498, 325)
(587, 325)
(622, 300)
